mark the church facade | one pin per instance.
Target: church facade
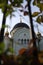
(21, 36)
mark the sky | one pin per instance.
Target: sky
(16, 19)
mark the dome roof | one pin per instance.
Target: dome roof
(21, 25)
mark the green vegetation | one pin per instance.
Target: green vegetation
(2, 47)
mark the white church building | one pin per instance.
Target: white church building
(21, 36)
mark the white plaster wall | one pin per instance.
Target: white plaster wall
(7, 42)
(41, 44)
(19, 34)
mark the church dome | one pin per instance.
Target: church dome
(21, 25)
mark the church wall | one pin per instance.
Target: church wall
(19, 37)
(40, 44)
(21, 34)
(8, 43)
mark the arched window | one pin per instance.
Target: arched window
(18, 39)
(24, 41)
(21, 41)
(27, 41)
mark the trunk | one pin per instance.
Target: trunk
(3, 23)
(35, 54)
(31, 23)
(2, 29)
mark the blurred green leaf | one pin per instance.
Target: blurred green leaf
(35, 14)
(3, 26)
(40, 5)
(11, 50)
(1, 5)
(35, 2)
(9, 10)
(39, 19)
(2, 45)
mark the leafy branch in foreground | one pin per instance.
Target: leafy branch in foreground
(7, 7)
(39, 15)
